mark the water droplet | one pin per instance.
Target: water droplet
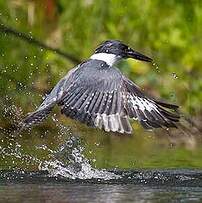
(97, 144)
(156, 67)
(174, 75)
(172, 94)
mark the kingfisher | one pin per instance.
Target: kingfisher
(96, 93)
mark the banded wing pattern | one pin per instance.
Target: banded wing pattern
(100, 96)
(148, 111)
(96, 100)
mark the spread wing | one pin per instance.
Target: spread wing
(148, 111)
(95, 98)
(100, 96)
(47, 105)
(104, 98)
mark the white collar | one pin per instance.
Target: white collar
(110, 59)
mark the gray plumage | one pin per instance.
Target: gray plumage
(101, 96)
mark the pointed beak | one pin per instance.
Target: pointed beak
(138, 56)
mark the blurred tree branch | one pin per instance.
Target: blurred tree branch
(30, 39)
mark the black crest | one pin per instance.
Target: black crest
(113, 47)
(120, 49)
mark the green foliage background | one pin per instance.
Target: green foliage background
(168, 31)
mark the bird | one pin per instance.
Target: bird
(96, 93)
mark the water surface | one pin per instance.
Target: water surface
(131, 186)
(93, 166)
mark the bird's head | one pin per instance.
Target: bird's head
(112, 51)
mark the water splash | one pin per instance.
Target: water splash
(174, 75)
(156, 67)
(70, 162)
(67, 160)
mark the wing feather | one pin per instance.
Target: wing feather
(108, 100)
(149, 112)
